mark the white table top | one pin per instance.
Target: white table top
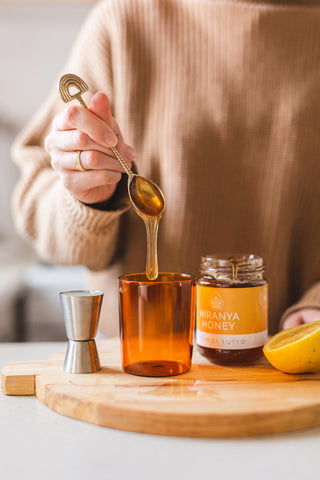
(38, 443)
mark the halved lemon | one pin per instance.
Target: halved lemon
(295, 350)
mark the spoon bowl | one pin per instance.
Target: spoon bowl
(146, 196)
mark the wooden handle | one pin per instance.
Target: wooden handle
(19, 378)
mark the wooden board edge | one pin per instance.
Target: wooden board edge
(180, 425)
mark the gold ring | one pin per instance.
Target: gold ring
(77, 161)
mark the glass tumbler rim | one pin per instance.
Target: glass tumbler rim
(133, 278)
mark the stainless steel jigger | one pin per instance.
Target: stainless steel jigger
(81, 311)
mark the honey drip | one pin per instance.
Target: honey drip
(152, 224)
(235, 264)
(149, 205)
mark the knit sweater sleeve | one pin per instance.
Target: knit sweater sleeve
(310, 299)
(62, 229)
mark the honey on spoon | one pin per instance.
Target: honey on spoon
(145, 196)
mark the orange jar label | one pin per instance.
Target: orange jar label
(231, 318)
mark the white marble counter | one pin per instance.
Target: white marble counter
(38, 443)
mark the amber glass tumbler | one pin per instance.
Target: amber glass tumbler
(156, 323)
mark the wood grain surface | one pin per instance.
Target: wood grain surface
(208, 401)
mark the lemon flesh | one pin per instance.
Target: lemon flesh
(295, 350)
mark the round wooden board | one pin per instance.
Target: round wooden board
(208, 401)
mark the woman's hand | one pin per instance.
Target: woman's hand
(305, 315)
(92, 132)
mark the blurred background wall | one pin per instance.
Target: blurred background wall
(35, 39)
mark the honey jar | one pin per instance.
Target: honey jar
(231, 308)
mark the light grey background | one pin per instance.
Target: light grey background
(35, 40)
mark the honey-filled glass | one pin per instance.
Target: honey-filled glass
(156, 323)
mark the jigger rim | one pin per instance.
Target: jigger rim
(84, 293)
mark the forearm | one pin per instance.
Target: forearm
(62, 229)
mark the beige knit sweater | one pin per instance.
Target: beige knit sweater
(221, 100)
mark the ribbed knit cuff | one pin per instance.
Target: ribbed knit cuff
(311, 299)
(91, 219)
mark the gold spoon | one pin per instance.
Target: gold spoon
(145, 196)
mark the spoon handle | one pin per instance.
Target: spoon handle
(71, 80)
(122, 162)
